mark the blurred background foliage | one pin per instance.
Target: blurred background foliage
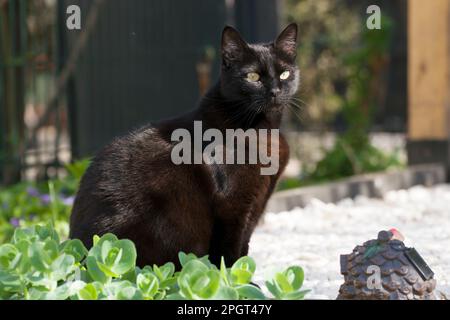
(329, 31)
(343, 66)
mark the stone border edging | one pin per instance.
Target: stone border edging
(370, 185)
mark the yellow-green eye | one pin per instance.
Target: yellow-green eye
(252, 77)
(285, 75)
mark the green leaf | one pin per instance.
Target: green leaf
(283, 283)
(75, 248)
(41, 281)
(39, 257)
(108, 253)
(114, 257)
(164, 272)
(208, 288)
(196, 281)
(27, 234)
(94, 270)
(148, 284)
(62, 267)
(242, 270)
(131, 275)
(250, 292)
(24, 263)
(9, 256)
(122, 290)
(273, 289)
(286, 284)
(168, 283)
(89, 292)
(62, 292)
(185, 258)
(37, 294)
(296, 276)
(129, 293)
(226, 293)
(297, 295)
(10, 282)
(75, 287)
(125, 259)
(46, 232)
(106, 270)
(206, 262)
(95, 240)
(175, 296)
(78, 168)
(224, 272)
(51, 247)
(240, 276)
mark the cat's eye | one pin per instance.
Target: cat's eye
(252, 77)
(285, 75)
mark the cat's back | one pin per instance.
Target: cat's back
(123, 177)
(126, 160)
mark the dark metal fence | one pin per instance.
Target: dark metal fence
(33, 143)
(132, 62)
(12, 61)
(138, 65)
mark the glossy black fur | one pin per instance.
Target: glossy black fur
(134, 190)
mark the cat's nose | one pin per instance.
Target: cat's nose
(275, 92)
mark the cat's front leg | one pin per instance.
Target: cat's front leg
(228, 236)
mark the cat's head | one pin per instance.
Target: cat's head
(265, 75)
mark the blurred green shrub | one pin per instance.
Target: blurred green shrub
(328, 31)
(29, 203)
(342, 64)
(344, 160)
(353, 152)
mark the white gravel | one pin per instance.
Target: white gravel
(315, 236)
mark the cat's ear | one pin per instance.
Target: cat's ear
(233, 46)
(287, 41)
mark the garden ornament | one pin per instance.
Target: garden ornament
(385, 269)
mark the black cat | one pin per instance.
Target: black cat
(134, 190)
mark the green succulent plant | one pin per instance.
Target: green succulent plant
(36, 265)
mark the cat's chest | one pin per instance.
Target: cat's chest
(244, 179)
(252, 177)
